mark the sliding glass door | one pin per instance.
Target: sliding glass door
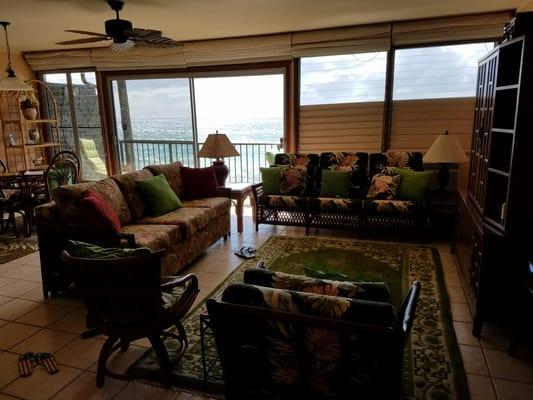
(161, 120)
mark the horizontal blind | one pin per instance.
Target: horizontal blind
(417, 123)
(340, 127)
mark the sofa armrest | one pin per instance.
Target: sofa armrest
(257, 190)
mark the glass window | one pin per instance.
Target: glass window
(349, 78)
(438, 71)
(76, 95)
(153, 121)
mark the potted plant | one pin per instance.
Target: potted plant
(29, 106)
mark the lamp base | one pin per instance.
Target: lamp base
(221, 172)
(443, 176)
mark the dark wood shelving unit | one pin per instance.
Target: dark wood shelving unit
(494, 214)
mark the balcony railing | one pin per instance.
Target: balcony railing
(136, 154)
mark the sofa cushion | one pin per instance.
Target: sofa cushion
(294, 181)
(414, 184)
(158, 195)
(190, 220)
(309, 162)
(373, 291)
(335, 183)
(128, 185)
(335, 204)
(397, 207)
(173, 175)
(280, 201)
(271, 178)
(384, 186)
(99, 213)
(68, 198)
(89, 250)
(154, 237)
(199, 182)
(355, 163)
(400, 159)
(221, 205)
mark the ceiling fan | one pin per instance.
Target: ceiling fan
(123, 34)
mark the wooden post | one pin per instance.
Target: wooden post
(126, 121)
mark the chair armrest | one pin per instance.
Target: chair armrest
(179, 281)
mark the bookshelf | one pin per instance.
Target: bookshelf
(24, 149)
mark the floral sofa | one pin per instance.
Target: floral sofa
(300, 204)
(185, 232)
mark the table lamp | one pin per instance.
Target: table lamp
(217, 146)
(445, 150)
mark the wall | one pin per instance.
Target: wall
(24, 72)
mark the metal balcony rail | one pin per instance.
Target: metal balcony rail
(137, 154)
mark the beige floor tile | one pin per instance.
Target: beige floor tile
(2, 322)
(144, 342)
(473, 360)
(31, 260)
(14, 333)
(451, 278)
(75, 322)
(8, 368)
(503, 366)
(461, 312)
(120, 361)
(210, 279)
(41, 385)
(456, 294)
(18, 288)
(44, 315)
(35, 295)
(67, 301)
(84, 387)
(16, 308)
(5, 299)
(6, 281)
(495, 337)
(463, 332)
(508, 390)
(15, 271)
(139, 391)
(6, 397)
(80, 353)
(480, 387)
(34, 276)
(46, 340)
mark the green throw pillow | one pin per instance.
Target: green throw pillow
(88, 250)
(335, 183)
(414, 184)
(271, 178)
(158, 195)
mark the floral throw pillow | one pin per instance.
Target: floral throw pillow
(384, 187)
(293, 181)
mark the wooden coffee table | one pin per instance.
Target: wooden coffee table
(239, 193)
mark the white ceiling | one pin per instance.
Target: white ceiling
(38, 24)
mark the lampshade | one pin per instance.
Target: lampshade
(217, 145)
(445, 149)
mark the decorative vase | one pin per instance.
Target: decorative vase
(34, 136)
(30, 113)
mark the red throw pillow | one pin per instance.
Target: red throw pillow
(199, 182)
(99, 213)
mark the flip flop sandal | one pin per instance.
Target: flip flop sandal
(48, 361)
(251, 249)
(243, 252)
(25, 364)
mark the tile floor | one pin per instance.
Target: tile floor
(28, 322)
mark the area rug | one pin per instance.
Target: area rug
(13, 248)
(432, 367)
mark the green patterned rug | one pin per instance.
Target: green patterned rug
(13, 248)
(432, 367)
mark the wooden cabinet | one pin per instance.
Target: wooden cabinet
(494, 215)
(29, 141)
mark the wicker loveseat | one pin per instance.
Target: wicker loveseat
(304, 207)
(184, 233)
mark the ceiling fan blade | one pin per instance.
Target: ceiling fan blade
(159, 42)
(86, 32)
(84, 40)
(145, 33)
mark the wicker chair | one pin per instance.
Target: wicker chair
(126, 300)
(269, 352)
(64, 169)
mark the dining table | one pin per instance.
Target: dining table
(26, 188)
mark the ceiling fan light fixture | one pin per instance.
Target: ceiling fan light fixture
(122, 46)
(11, 82)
